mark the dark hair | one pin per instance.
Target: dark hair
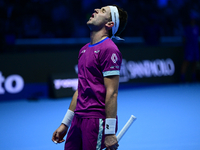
(123, 16)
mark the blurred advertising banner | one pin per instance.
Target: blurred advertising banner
(54, 73)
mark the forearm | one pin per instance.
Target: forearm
(111, 104)
(70, 112)
(73, 103)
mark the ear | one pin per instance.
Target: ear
(109, 24)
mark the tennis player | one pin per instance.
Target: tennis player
(93, 109)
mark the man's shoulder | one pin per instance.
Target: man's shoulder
(84, 47)
(110, 45)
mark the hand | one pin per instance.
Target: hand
(59, 134)
(111, 142)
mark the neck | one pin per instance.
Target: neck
(96, 37)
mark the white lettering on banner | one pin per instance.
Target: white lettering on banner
(66, 83)
(12, 84)
(2, 91)
(146, 68)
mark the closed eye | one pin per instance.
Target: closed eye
(103, 10)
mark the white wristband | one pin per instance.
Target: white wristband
(110, 126)
(68, 118)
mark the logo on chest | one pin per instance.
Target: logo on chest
(97, 51)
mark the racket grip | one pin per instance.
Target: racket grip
(125, 128)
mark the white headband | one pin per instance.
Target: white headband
(115, 19)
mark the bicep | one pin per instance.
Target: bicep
(111, 83)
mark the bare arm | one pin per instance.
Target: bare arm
(73, 101)
(111, 83)
(61, 131)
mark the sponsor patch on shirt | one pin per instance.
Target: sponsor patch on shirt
(114, 58)
(112, 67)
(83, 51)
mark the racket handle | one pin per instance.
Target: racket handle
(126, 127)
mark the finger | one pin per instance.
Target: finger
(57, 137)
(60, 141)
(114, 147)
(54, 136)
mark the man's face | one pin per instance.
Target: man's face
(99, 18)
